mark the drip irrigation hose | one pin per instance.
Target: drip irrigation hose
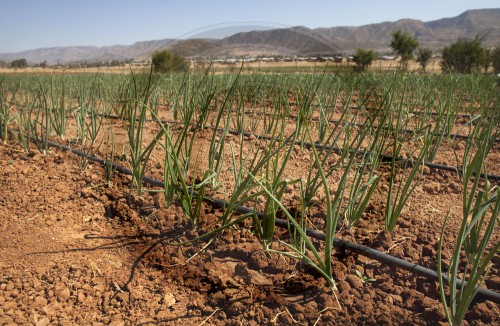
(361, 125)
(411, 131)
(384, 157)
(483, 294)
(459, 115)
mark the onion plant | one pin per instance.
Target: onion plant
(178, 154)
(475, 153)
(220, 131)
(362, 187)
(401, 187)
(136, 109)
(176, 186)
(481, 207)
(447, 110)
(109, 158)
(41, 126)
(174, 178)
(89, 120)
(313, 181)
(24, 129)
(272, 181)
(247, 168)
(58, 104)
(302, 247)
(6, 114)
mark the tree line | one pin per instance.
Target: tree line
(463, 56)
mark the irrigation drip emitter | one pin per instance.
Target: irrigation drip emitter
(482, 294)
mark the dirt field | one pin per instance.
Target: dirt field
(77, 249)
(74, 250)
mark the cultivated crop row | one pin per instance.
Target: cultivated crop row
(287, 146)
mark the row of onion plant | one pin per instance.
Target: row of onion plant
(384, 108)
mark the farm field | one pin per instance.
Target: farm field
(368, 158)
(254, 67)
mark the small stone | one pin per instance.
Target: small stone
(61, 292)
(169, 299)
(117, 321)
(426, 170)
(428, 251)
(396, 298)
(343, 286)
(40, 301)
(43, 322)
(51, 309)
(10, 305)
(80, 297)
(37, 284)
(100, 287)
(429, 188)
(163, 315)
(354, 281)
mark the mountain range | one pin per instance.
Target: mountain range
(293, 41)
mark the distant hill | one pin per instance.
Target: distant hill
(434, 34)
(289, 41)
(71, 54)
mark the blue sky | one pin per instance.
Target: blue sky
(31, 24)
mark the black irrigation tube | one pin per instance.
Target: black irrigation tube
(407, 131)
(384, 157)
(410, 131)
(459, 115)
(483, 294)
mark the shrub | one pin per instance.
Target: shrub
(166, 61)
(19, 63)
(464, 56)
(364, 58)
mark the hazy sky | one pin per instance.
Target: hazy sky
(31, 24)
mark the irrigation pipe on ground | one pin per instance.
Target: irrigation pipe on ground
(338, 149)
(483, 294)
(361, 125)
(384, 157)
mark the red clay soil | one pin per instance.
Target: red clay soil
(75, 250)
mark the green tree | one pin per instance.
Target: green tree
(19, 63)
(423, 57)
(495, 59)
(404, 45)
(464, 56)
(364, 58)
(485, 59)
(166, 61)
